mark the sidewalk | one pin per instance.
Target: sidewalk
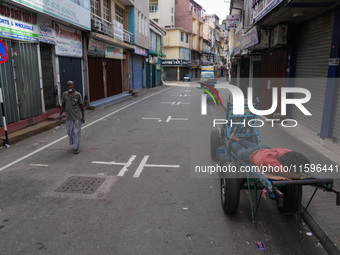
(323, 215)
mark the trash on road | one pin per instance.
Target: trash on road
(309, 234)
(185, 208)
(260, 246)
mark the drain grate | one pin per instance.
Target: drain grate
(83, 185)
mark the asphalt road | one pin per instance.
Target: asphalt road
(141, 153)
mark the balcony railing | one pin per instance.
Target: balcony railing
(115, 30)
(128, 37)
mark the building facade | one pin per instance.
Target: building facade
(47, 50)
(300, 49)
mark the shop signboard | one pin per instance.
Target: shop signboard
(18, 24)
(113, 52)
(232, 21)
(263, 7)
(76, 12)
(68, 41)
(46, 35)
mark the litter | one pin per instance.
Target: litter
(7, 145)
(264, 192)
(309, 234)
(260, 246)
(185, 208)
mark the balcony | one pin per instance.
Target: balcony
(128, 37)
(114, 30)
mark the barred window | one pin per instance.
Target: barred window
(95, 7)
(119, 12)
(153, 7)
(106, 12)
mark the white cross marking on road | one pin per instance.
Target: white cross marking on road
(170, 118)
(123, 170)
(143, 164)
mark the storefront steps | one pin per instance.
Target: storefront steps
(25, 128)
(109, 100)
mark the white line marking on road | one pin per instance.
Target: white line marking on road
(125, 168)
(173, 103)
(43, 165)
(164, 166)
(141, 166)
(151, 118)
(179, 119)
(88, 125)
(108, 163)
(168, 119)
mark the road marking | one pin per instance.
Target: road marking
(179, 119)
(123, 170)
(43, 165)
(141, 166)
(170, 118)
(151, 118)
(88, 125)
(174, 103)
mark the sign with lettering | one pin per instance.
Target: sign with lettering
(76, 12)
(113, 52)
(68, 41)
(18, 24)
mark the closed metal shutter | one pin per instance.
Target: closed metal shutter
(8, 88)
(138, 72)
(313, 52)
(336, 127)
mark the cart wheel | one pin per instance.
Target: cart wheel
(291, 199)
(230, 194)
(214, 143)
(221, 159)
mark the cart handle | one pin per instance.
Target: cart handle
(280, 197)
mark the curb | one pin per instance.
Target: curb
(325, 240)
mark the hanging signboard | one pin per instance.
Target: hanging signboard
(71, 11)
(68, 41)
(18, 24)
(232, 21)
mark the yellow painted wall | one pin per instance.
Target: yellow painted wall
(171, 53)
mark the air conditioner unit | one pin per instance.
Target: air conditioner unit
(96, 24)
(279, 36)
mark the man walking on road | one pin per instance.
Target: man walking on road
(72, 103)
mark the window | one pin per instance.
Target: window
(172, 10)
(139, 22)
(106, 12)
(182, 36)
(186, 38)
(95, 7)
(119, 13)
(172, 19)
(153, 7)
(146, 27)
(143, 24)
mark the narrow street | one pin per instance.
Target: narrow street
(138, 155)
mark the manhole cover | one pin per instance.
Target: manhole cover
(83, 185)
